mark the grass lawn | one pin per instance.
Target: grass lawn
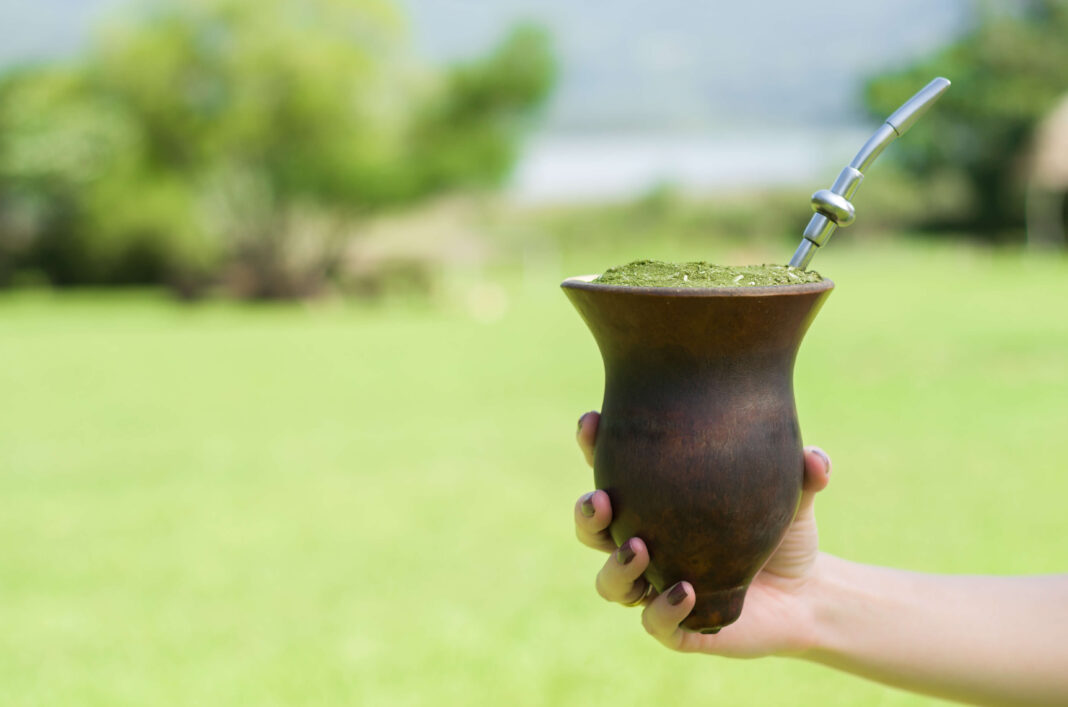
(345, 504)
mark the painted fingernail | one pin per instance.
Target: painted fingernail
(823, 455)
(587, 505)
(626, 553)
(581, 418)
(677, 594)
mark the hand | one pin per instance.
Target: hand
(778, 616)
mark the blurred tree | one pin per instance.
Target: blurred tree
(242, 137)
(1008, 72)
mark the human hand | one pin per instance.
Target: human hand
(778, 615)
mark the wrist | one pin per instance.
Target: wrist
(823, 596)
(805, 634)
(851, 606)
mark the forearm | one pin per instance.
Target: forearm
(988, 640)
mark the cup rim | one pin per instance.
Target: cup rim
(582, 282)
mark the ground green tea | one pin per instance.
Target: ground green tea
(654, 273)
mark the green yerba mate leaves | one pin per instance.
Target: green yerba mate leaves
(655, 273)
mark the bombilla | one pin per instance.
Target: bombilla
(832, 206)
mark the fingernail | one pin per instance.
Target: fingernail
(823, 455)
(625, 553)
(581, 418)
(677, 594)
(587, 505)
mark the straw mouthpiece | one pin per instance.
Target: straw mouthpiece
(906, 116)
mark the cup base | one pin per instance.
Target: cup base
(715, 609)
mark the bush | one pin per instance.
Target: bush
(210, 139)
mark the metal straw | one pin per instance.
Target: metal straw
(832, 206)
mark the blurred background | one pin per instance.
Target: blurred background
(289, 388)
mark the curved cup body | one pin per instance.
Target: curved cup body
(699, 446)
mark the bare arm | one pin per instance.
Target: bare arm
(988, 640)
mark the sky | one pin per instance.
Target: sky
(686, 65)
(663, 66)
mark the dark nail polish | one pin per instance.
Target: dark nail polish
(823, 455)
(587, 505)
(581, 418)
(677, 594)
(626, 553)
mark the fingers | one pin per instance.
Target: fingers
(662, 616)
(593, 514)
(587, 434)
(620, 579)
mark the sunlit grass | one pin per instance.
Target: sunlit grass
(371, 505)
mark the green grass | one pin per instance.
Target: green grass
(372, 505)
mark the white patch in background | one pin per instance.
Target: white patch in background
(613, 167)
(487, 302)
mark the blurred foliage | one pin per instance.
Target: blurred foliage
(667, 219)
(1009, 72)
(241, 141)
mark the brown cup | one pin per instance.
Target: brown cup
(698, 445)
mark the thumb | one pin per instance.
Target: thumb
(817, 476)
